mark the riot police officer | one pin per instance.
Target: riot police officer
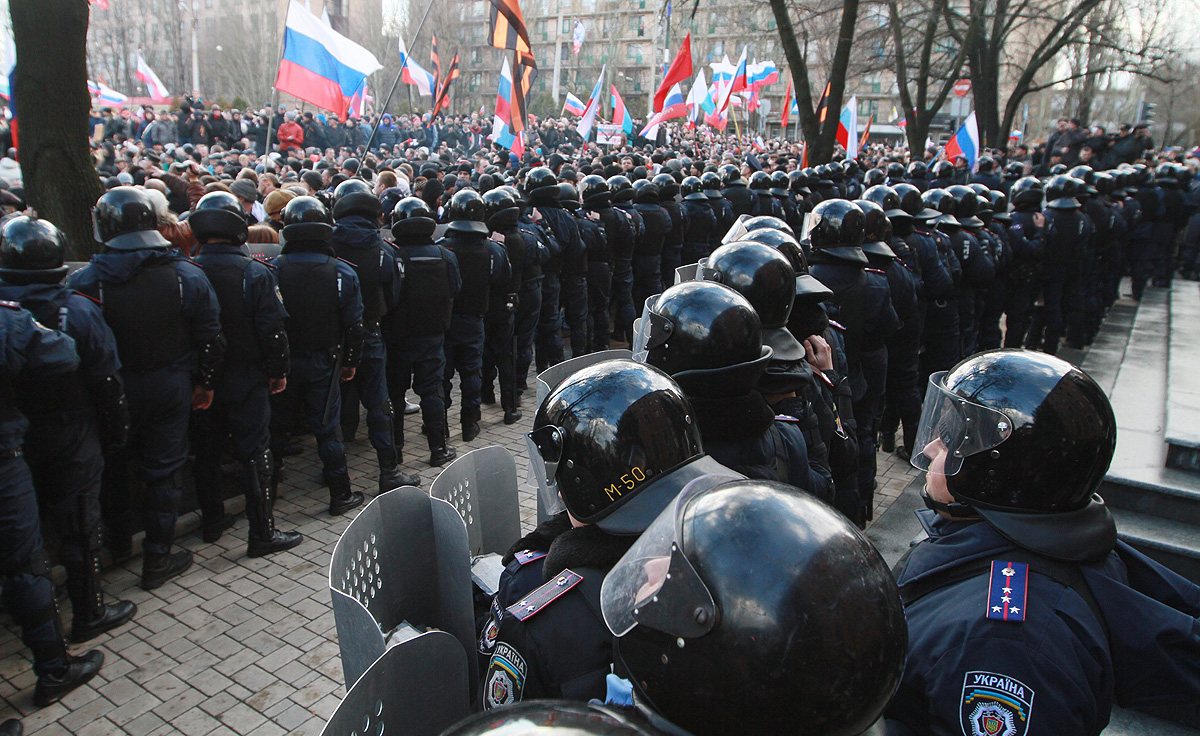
(611, 446)
(257, 361)
(1065, 238)
(541, 187)
(356, 240)
(798, 200)
(741, 200)
(575, 269)
(499, 348)
(542, 247)
(764, 202)
(74, 417)
(416, 331)
(32, 350)
(325, 335)
(1026, 236)
(1022, 595)
(672, 250)
(466, 238)
(709, 338)
(751, 577)
(647, 256)
(702, 223)
(612, 226)
(942, 347)
(165, 317)
(720, 206)
(979, 266)
(624, 309)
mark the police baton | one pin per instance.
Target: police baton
(335, 381)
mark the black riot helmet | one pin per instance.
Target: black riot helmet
(836, 227)
(413, 217)
(765, 277)
(706, 336)
(355, 197)
(999, 203)
(917, 170)
(798, 182)
(1058, 169)
(874, 177)
(645, 192)
(910, 198)
(760, 181)
(306, 218)
(218, 216)
(887, 198)
(1025, 439)
(767, 222)
(568, 196)
(966, 202)
(547, 718)
(944, 202)
(748, 607)
(712, 184)
(541, 185)
(667, 187)
(1104, 182)
(1084, 173)
(806, 285)
(875, 235)
(729, 174)
(621, 188)
(779, 183)
(1026, 193)
(1014, 170)
(31, 251)
(603, 438)
(895, 171)
(942, 170)
(985, 164)
(1060, 193)
(594, 190)
(466, 212)
(692, 189)
(124, 219)
(500, 208)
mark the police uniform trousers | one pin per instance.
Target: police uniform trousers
(240, 420)
(464, 354)
(1023, 290)
(1139, 255)
(647, 280)
(499, 352)
(622, 299)
(1049, 320)
(1162, 257)
(549, 327)
(27, 593)
(160, 407)
(575, 309)
(902, 402)
(599, 281)
(369, 387)
(529, 313)
(866, 409)
(941, 346)
(419, 363)
(306, 395)
(991, 309)
(671, 258)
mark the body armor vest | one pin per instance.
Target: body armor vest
(146, 317)
(475, 264)
(368, 263)
(310, 295)
(228, 280)
(425, 309)
(63, 392)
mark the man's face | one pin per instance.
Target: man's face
(1085, 155)
(935, 477)
(265, 186)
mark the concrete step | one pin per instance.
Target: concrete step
(1182, 427)
(1132, 723)
(1174, 544)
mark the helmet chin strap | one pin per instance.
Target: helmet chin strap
(957, 509)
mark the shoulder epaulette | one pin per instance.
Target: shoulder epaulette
(786, 418)
(10, 305)
(1008, 589)
(536, 601)
(525, 556)
(348, 263)
(263, 260)
(876, 270)
(88, 296)
(837, 325)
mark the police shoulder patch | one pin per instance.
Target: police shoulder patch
(525, 556)
(995, 705)
(505, 677)
(536, 601)
(837, 325)
(1008, 591)
(875, 270)
(10, 305)
(786, 418)
(88, 297)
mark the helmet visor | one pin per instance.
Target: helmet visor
(650, 330)
(654, 584)
(704, 272)
(806, 227)
(737, 231)
(545, 446)
(953, 428)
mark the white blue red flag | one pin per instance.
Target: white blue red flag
(620, 114)
(593, 107)
(965, 142)
(673, 107)
(847, 132)
(416, 75)
(319, 64)
(501, 132)
(574, 105)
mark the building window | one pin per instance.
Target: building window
(566, 26)
(641, 26)
(718, 48)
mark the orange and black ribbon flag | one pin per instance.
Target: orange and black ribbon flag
(437, 62)
(443, 98)
(823, 103)
(508, 31)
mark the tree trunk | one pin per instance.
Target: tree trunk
(50, 87)
(837, 87)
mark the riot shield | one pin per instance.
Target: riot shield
(482, 486)
(404, 559)
(418, 688)
(737, 231)
(549, 379)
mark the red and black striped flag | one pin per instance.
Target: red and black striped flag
(437, 62)
(823, 103)
(508, 30)
(523, 79)
(443, 96)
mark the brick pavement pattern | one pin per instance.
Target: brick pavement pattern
(242, 646)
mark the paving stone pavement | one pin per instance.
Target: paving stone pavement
(242, 646)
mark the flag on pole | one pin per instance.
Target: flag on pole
(578, 36)
(325, 16)
(319, 64)
(804, 155)
(965, 142)
(823, 104)
(105, 94)
(508, 31)
(501, 132)
(680, 69)
(593, 107)
(146, 76)
(866, 133)
(416, 75)
(435, 60)
(443, 98)
(787, 108)
(620, 114)
(696, 97)
(101, 4)
(574, 105)
(762, 74)
(737, 82)
(847, 132)
(526, 74)
(674, 107)
(758, 144)
(358, 103)
(902, 124)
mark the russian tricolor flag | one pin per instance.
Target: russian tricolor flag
(415, 74)
(620, 114)
(502, 134)
(762, 74)
(319, 64)
(965, 142)
(673, 107)
(574, 105)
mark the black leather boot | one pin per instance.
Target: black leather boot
(439, 452)
(52, 686)
(92, 616)
(470, 424)
(264, 537)
(341, 498)
(12, 727)
(390, 476)
(159, 568)
(508, 400)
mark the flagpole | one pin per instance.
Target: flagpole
(392, 91)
